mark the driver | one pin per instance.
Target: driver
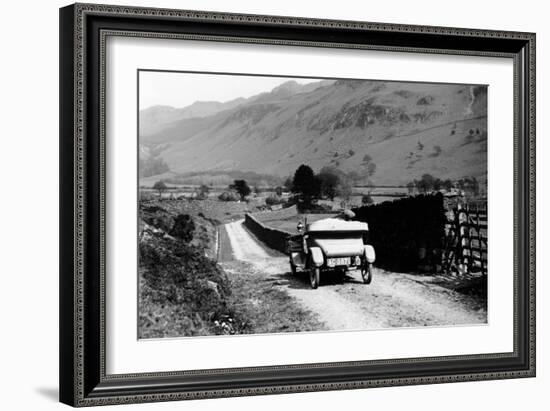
(347, 215)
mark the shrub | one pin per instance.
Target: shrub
(183, 227)
(424, 101)
(272, 200)
(367, 199)
(436, 152)
(182, 292)
(228, 196)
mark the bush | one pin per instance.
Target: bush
(367, 199)
(228, 196)
(273, 200)
(316, 208)
(183, 227)
(182, 293)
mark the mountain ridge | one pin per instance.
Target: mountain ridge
(405, 129)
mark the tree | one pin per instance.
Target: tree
(279, 191)
(447, 185)
(475, 186)
(203, 192)
(344, 190)
(367, 199)
(367, 159)
(470, 185)
(371, 169)
(160, 187)
(328, 180)
(368, 166)
(426, 183)
(354, 177)
(288, 184)
(241, 187)
(410, 187)
(305, 185)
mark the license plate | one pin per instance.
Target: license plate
(333, 262)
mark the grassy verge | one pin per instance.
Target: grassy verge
(184, 292)
(267, 308)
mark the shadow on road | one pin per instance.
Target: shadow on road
(300, 281)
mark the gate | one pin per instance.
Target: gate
(465, 245)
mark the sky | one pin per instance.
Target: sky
(182, 89)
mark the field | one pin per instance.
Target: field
(289, 224)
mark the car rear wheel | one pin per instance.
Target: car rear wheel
(314, 277)
(366, 273)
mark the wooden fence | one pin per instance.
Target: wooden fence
(465, 245)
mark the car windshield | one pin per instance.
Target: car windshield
(336, 234)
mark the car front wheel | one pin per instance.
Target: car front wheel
(314, 277)
(366, 273)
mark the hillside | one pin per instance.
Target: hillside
(154, 119)
(405, 129)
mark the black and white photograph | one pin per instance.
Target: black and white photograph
(275, 204)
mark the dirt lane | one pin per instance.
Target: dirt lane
(391, 300)
(245, 248)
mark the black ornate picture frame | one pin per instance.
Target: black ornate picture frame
(83, 32)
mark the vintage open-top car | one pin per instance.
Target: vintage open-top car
(331, 245)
